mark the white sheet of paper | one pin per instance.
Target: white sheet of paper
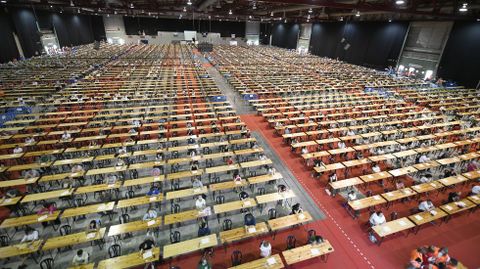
(153, 199)
(252, 230)
(42, 217)
(150, 222)
(386, 229)
(376, 197)
(433, 185)
(101, 208)
(91, 235)
(156, 179)
(390, 194)
(402, 223)
(271, 261)
(315, 251)
(204, 241)
(301, 216)
(65, 193)
(448, 207)
(118, 167)
(475, 198)
(111, 185)
(417, 217)
(147, 254)
(238, 182)
(247, 203)
(370, 176)
(7, 200)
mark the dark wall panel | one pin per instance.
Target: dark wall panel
(372, 44)
(265, 33)
(26, 28)
(461, 58)
(8, 47)
(98, 28)
(285, 35)
(136, 25)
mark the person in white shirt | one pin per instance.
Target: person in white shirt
(423, 159)
(304, 150)
(426, 178)
(426, 205)
(341, 145)
(376, 168)
(377, 218)
(476, 189)
(29, 140)
(352, 196)
(17, 149)
(151, 214)
(66, 136)
(197, 184)
(265, 249)
(350, 133)
(30, 235)
(80, 258)
(200, 203)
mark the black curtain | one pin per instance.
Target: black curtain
(285, 35)
(461, 58)
(98, 28)
(265, 33)
(151, 26)
(26, 28)
(73, 29)
(8, 47)
(372, 44)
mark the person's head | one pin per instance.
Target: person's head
(379, 213)
(203, 225)
(93, 224)
(29, 230)
(80, 252)
(203, 261)
(351, 193)
(422, 250)
(199, 197)
(431, 249)
(453, 262)
(443, 251)
(265, 243)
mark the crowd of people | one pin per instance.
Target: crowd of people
(432, 257)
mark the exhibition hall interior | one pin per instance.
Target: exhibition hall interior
(246, 134)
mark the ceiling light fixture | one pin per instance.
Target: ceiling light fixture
(464, 8)
(400, 2)
(189, 3)
(184, 9)
(71, 3)
(357, 14)
(230, 12)
(310, 10)
(271, 14)
(131, 5)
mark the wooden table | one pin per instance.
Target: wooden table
(402, 171)
(89, 209)
(272, 262)
(448, 181)
(134, 226)
(235, 205)
(307, 252)
(183, 216)
(426, 187)
(130, 260)
(142, 200)
(392, 227)
(366, 202)
(27, 220)
(427, 217)
(195, 244)
(20, 249)
(83, 266)
(273, 197)
(185, 193)
(47, 195)
(454, 207)
(288, 221)
(241, 233)
(475, 199)
(375, 177)
(472, 175)
(397, 194)
(73, 239)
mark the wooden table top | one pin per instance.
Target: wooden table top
(307, 252)
(475, 199)
(402, 171)
(346, 183)
(241, 233)
(447, 181)
(426, 165)
(142, 200)
(273, 197)
(234, 205)
(272, 262)
(73, 239)
(228, 185)
(20, 249)
(472, 175)
(89, 209)
(367, 202)
(290, 220)
(27, 220)
(426, 217)
(11, 201)
(255, 163)
(392, 227)
(83, 266)
(264, 178)
(455, 207)
(398, 194)
(191, 245)
(134, 226)
(222, 168)
(143, 180)
(329, 167)
(130, 260)
(185, 193)
(375, 176)
(183, 216)
(426, 187)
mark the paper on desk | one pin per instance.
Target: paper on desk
(370, 176)
(433, 185)
(475, 197)
(301, 216)
(101, 208)
(448, 207)
(418, 217)
(156, 179)
(91, 235)
(376, 197)
(315, 251)
(42, 217)
(111, 185)
(389, 194)
(151, 222)
(7, 200)
(386, 229)
(402, 223)
(65, 193)
(153, 198)
(238, 182)
(247, 203)
(147, 254)
(204, 241)
(433, 212)
(271, 261)
(252, 230)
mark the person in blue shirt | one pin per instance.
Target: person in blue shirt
(249, 220)
(203, 230)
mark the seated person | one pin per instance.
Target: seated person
(265, 249)
(112, 179)
(29, 140)
(77, 168)
(230, 161)
(31, 174)
(304, 150)
(296, 209)
(194, 166)
(66, 136)
(203, 264)
(17, 149)
(417, 256)
(200, 202)
(150, 214)
(426, 178)
(30, 235)
(332, 177)
(197, 183)
(315, 240)
(375, 168)
(377, 218)
(249, 220)
(203, 229)
(281, 188)
(147, 244)
(454, 196)
(154, 191)
(9, 194)
(426, 205)
(423, 159)
(476, 189)
(80, 258)
(243, 195)
(94, 225)
(352, 196)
